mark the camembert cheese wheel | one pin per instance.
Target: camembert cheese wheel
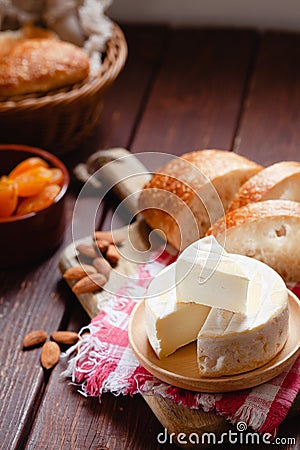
(228, 342)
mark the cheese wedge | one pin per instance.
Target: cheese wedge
(231, 343)
(171, 325)
(206, 274)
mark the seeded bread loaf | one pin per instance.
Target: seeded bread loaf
(190, 193)
(279, 181)
(268, 231)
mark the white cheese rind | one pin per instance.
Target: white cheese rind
(231, 343)
(238, 353)
(209, 276)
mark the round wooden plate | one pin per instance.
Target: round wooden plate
(180, 369)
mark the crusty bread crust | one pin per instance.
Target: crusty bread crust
(191, 192)
(268, 231)
(10, 38)
(279, 181)
(38, 64)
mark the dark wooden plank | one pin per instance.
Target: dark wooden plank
(126, 98)
(195, 100)
(30, 299)
(270, 125)
(122, 108)
(145, 49)
(84, 423)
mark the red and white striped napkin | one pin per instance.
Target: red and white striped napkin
(105, 363)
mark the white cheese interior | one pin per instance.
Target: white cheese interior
(170, 325)
(206, 274)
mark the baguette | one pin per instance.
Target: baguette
(268, 231)
(190, 193)
(279, 181)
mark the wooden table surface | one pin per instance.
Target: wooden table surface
(181, 90)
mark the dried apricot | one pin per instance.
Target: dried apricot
(8, 196)
(32, 181)
(39, 201)
(57, 176)
(27, 164)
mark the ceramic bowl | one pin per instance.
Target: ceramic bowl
(34, 236)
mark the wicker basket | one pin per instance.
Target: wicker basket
(61, 120)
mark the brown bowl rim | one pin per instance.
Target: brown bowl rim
(56, 162)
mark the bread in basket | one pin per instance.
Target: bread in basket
(61, 120)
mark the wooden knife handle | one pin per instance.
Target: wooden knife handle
(119, 170)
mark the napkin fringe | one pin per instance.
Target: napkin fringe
(253, 418)
(238, 410)
(95, 372)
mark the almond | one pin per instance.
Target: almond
(102, 266)
(35, 338)
(90, 283)
(50, 354)
(112, 254)
(65, 337)
(87, 250)
(102, 244)
(78, 272)
(108, 236)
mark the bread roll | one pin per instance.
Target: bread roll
(39, 64)
(279, 181)
(190, 193)
(268, 231)
(9, 38)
